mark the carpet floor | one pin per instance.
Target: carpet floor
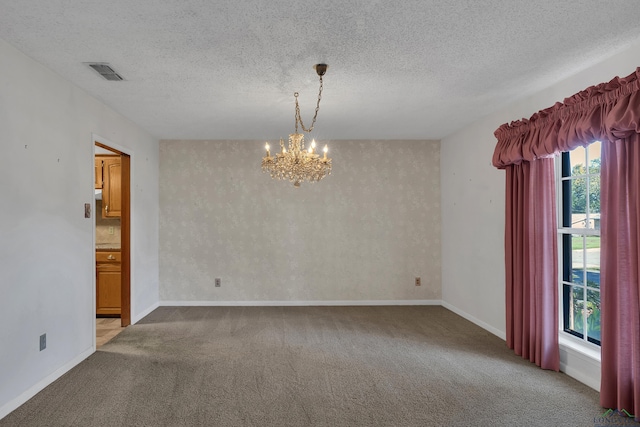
(308, 366)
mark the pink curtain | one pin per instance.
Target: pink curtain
(620, 290)
(608, 112)
(531, 263)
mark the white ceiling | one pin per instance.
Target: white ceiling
(227, 69)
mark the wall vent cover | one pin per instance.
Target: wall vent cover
(105, 70)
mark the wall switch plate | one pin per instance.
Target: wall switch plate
(418, 281)
(217, 283)
(43, 341)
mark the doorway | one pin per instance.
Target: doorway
(112, 236)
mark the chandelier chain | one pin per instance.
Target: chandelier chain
(298, 117)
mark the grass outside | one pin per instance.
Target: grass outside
(592, 242)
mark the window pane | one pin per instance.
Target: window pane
(579, 202)
(578, 161)
(594, 201)
(566, 199)
(593, 316)
(593, 183)
(566, 257)
(576, 309)
(592, 263)
(577, 258)
(594, 157)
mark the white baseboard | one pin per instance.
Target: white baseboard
(296, 303)
(497, 332)
(573, 362)
(13, 404)
(587, 373)
(144, 313)
(580, 363)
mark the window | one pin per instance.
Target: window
(579, 242)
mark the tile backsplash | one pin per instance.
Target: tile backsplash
(103, 225)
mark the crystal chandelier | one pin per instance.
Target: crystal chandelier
(298, 164)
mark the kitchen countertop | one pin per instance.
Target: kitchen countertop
(107, 246)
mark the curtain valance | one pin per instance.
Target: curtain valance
(605, 112)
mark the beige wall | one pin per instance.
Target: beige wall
(364, 233)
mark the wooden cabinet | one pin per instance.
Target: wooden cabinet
(109, 177)
(112, 188)
(108, 283)
(98, 173)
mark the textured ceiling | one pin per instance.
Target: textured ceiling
(227, 69)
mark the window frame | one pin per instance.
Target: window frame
(564, 241)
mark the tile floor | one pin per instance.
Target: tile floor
(107, 328)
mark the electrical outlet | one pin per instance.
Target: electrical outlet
(418, 281)
(217, 283)
(43, 341)
(111, 230)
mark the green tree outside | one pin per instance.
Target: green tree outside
(579, 188)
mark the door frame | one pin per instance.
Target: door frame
(125, 227)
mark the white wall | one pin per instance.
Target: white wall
(361, 235)
(47, 275)
(473, 197)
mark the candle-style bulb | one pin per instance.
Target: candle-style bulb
(266, 146)
(325, 149)
(313, 143)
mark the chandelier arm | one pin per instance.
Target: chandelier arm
(315, 116)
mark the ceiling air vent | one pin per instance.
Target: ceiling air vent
(105, 70)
